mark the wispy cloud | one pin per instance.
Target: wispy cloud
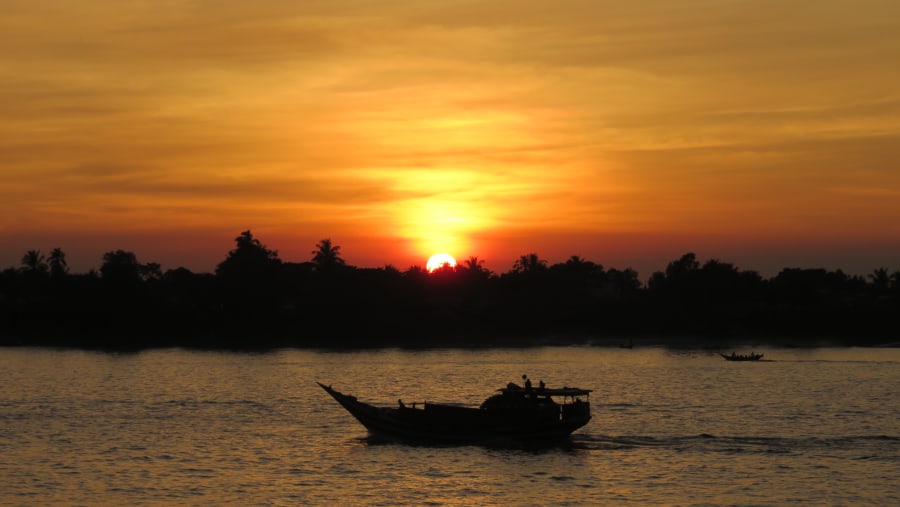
(360, 116)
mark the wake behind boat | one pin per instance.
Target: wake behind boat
(522, 414)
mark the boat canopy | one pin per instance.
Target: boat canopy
(547, 391)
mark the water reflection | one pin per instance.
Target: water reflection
(179, 427)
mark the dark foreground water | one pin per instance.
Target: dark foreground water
(175, 427)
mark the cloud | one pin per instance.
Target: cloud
(592, 116)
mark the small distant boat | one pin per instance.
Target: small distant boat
(742, 357)
(519, 414)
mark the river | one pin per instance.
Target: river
(670, 427)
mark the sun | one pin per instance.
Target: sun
(440, 260)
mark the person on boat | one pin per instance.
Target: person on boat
(527, 382)
(400, 402)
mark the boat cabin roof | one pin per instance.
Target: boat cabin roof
(547, 391)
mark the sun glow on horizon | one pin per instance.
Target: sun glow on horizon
(440, 224)
(440, 260)
(451, 129)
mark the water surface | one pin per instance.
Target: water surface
(177, 427)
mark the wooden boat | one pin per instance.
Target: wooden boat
(742, 357)
(515, 414)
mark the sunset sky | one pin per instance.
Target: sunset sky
(763, 133)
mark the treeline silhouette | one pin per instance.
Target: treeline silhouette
(256, 300)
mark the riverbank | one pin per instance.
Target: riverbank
(674, 341)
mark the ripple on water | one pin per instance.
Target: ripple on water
(187, 428)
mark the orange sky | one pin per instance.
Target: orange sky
(764, 133)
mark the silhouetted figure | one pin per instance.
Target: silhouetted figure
(400, 402)
(527, 382)
(541, 384)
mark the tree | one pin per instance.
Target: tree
(34, 274)
(473, 263)
(120, 267)
(150, 271)
(326, 256)
(249, 259)
(416, 275)
(57, 262)
(625, 282)
(683, 267)
(577, 262)
(474, 267)
(251, 283)
(578, 267)
(34, 262)
(391, 270)
(680, 276)
(881, 279)
(529, 263)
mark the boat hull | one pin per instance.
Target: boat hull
(452, 424)
(736, 357)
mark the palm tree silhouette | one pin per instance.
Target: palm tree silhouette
(327, 256)
(576, 261)
(881, 279)
(529, 263)
(57, 263)
(474, 268)
(34, 261)
(474, 264)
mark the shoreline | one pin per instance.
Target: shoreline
(624, 342)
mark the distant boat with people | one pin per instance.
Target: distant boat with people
(742, 357)
(514, 414)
